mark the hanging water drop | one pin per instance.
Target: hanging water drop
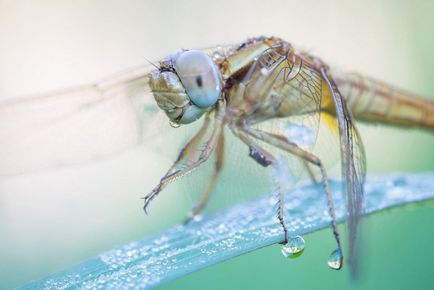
(294, 248)
(174, 124)
(335, 260)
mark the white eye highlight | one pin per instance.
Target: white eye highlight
(200, 77)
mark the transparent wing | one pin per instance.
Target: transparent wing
(87, 122)
(79, 124)
(353, 165)
(293, 89)
(298, 85)
(304, 88)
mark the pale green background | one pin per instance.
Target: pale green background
(51, 220)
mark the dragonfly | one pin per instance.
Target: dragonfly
(241, 87)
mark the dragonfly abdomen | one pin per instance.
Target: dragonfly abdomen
(375, 101)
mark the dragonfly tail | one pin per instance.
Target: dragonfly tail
(374, 101)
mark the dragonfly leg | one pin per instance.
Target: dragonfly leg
(311, 173)
(204, 197)
(293, 148)
(177, 170)
(265, 159)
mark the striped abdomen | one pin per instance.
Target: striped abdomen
(374, 101)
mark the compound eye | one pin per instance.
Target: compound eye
(200, 77)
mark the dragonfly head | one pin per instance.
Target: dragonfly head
(186, 85)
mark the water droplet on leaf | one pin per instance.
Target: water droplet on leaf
(335, 260)
(294, 248)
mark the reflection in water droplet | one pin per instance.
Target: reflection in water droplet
(294, 248)
(335, 260)
(174, 124)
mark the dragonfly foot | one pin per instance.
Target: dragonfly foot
(146, 205)
(148, 199)
(189, 218)
(192, 216)
(285, 241)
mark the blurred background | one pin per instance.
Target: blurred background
(52, 219)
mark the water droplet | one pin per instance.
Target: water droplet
(294, 248)
(264, 71)
(399, 181)
(174, 124)
(197, 218)
(335, 260)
